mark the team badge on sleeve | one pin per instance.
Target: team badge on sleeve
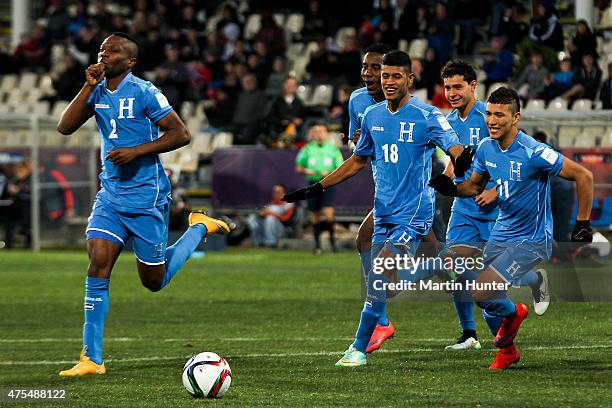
(162, 100)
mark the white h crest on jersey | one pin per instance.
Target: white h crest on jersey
(129, 107)
(515, 170)
(513, 268)
(404, 131)
(474, 134)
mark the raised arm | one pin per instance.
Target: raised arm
(347, 169)
(77, 112)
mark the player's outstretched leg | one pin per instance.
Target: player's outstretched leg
(200, 226)
(355, 354)
(384, 328)
(540, 289)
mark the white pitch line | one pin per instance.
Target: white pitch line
(284, 355)
(237, 339)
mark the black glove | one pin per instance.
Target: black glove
(444, 185)
(582, 232)
(463, 162)
(312, 190)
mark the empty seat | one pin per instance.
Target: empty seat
(9, 81)
(342, 34)
(418, 48)
(403, 45)
(582, 105)
(294, 24)
(222, 139)
(187, 110)
(41, 108)
(421, 94)
(323, 95)
(567, 135)
(304, 92)
(557, 104)
(536, 105)
(58, 108)
(252, 26)
(28, 81)
(279, 19)
(494, 87)
(46, 86)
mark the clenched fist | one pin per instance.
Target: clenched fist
(94, 74)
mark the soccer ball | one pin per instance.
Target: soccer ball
(207, 375)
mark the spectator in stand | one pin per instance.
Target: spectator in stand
(219, 109)
(339, 111)
(86, 45)
(229, 21)
(152, 53)
(286, 116)
(468, 14)
(68, 83)
(323, 65)
(246, 121)
(583, 42)
(439, 99)
(606, 90)
(498, 63)
(172, 77)
(441, 34)
(587, 80)
(417, 71)
(58, 21)
(561, 81)
(384, 12)
(545, 26)
(272, 35)
(118, 24)
(31, 52)
(192, 47)
(317, 23)
(385, 34)
(316, 160)
(276, 79)
(499, 9)
(514, 26)
(413, 22)
(431, 72)
(189, 20)
(268, 225)
(350, 57)
(533, 75)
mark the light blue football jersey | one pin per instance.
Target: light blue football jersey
(471, 131)
(522, 174)
(403, 143)
(128, 117)
(359, 101)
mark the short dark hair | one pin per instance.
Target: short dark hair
(398, 58)
(459, 67)
(506, 96)
(378, 48)
(129, 38)
(317, 122)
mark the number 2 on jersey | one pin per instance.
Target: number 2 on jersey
(113, 133)
(390, 153)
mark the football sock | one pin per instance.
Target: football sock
(332, 234)
(464, 303)
(369, 317)
(531, 279)
(179, 253)
(498, 307)
(366, 263)
(383, 320)
(469, 333)
(96, 309)
(316, 229)
(492, 321)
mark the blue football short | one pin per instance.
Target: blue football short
(397, 234)
(468, 231)
(513, 260)
(148, 228)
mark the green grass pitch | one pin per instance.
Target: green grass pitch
(282, 319)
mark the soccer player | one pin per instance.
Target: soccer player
(522, 235)
(359, 101)
(401, 134)
(473, 218)
(134, 199)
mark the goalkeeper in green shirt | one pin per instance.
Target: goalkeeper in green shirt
(316, 160)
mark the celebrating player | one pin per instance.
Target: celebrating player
(134, 200)
(472, 219)
(359, 101)
(401, 134)
(522, 235)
